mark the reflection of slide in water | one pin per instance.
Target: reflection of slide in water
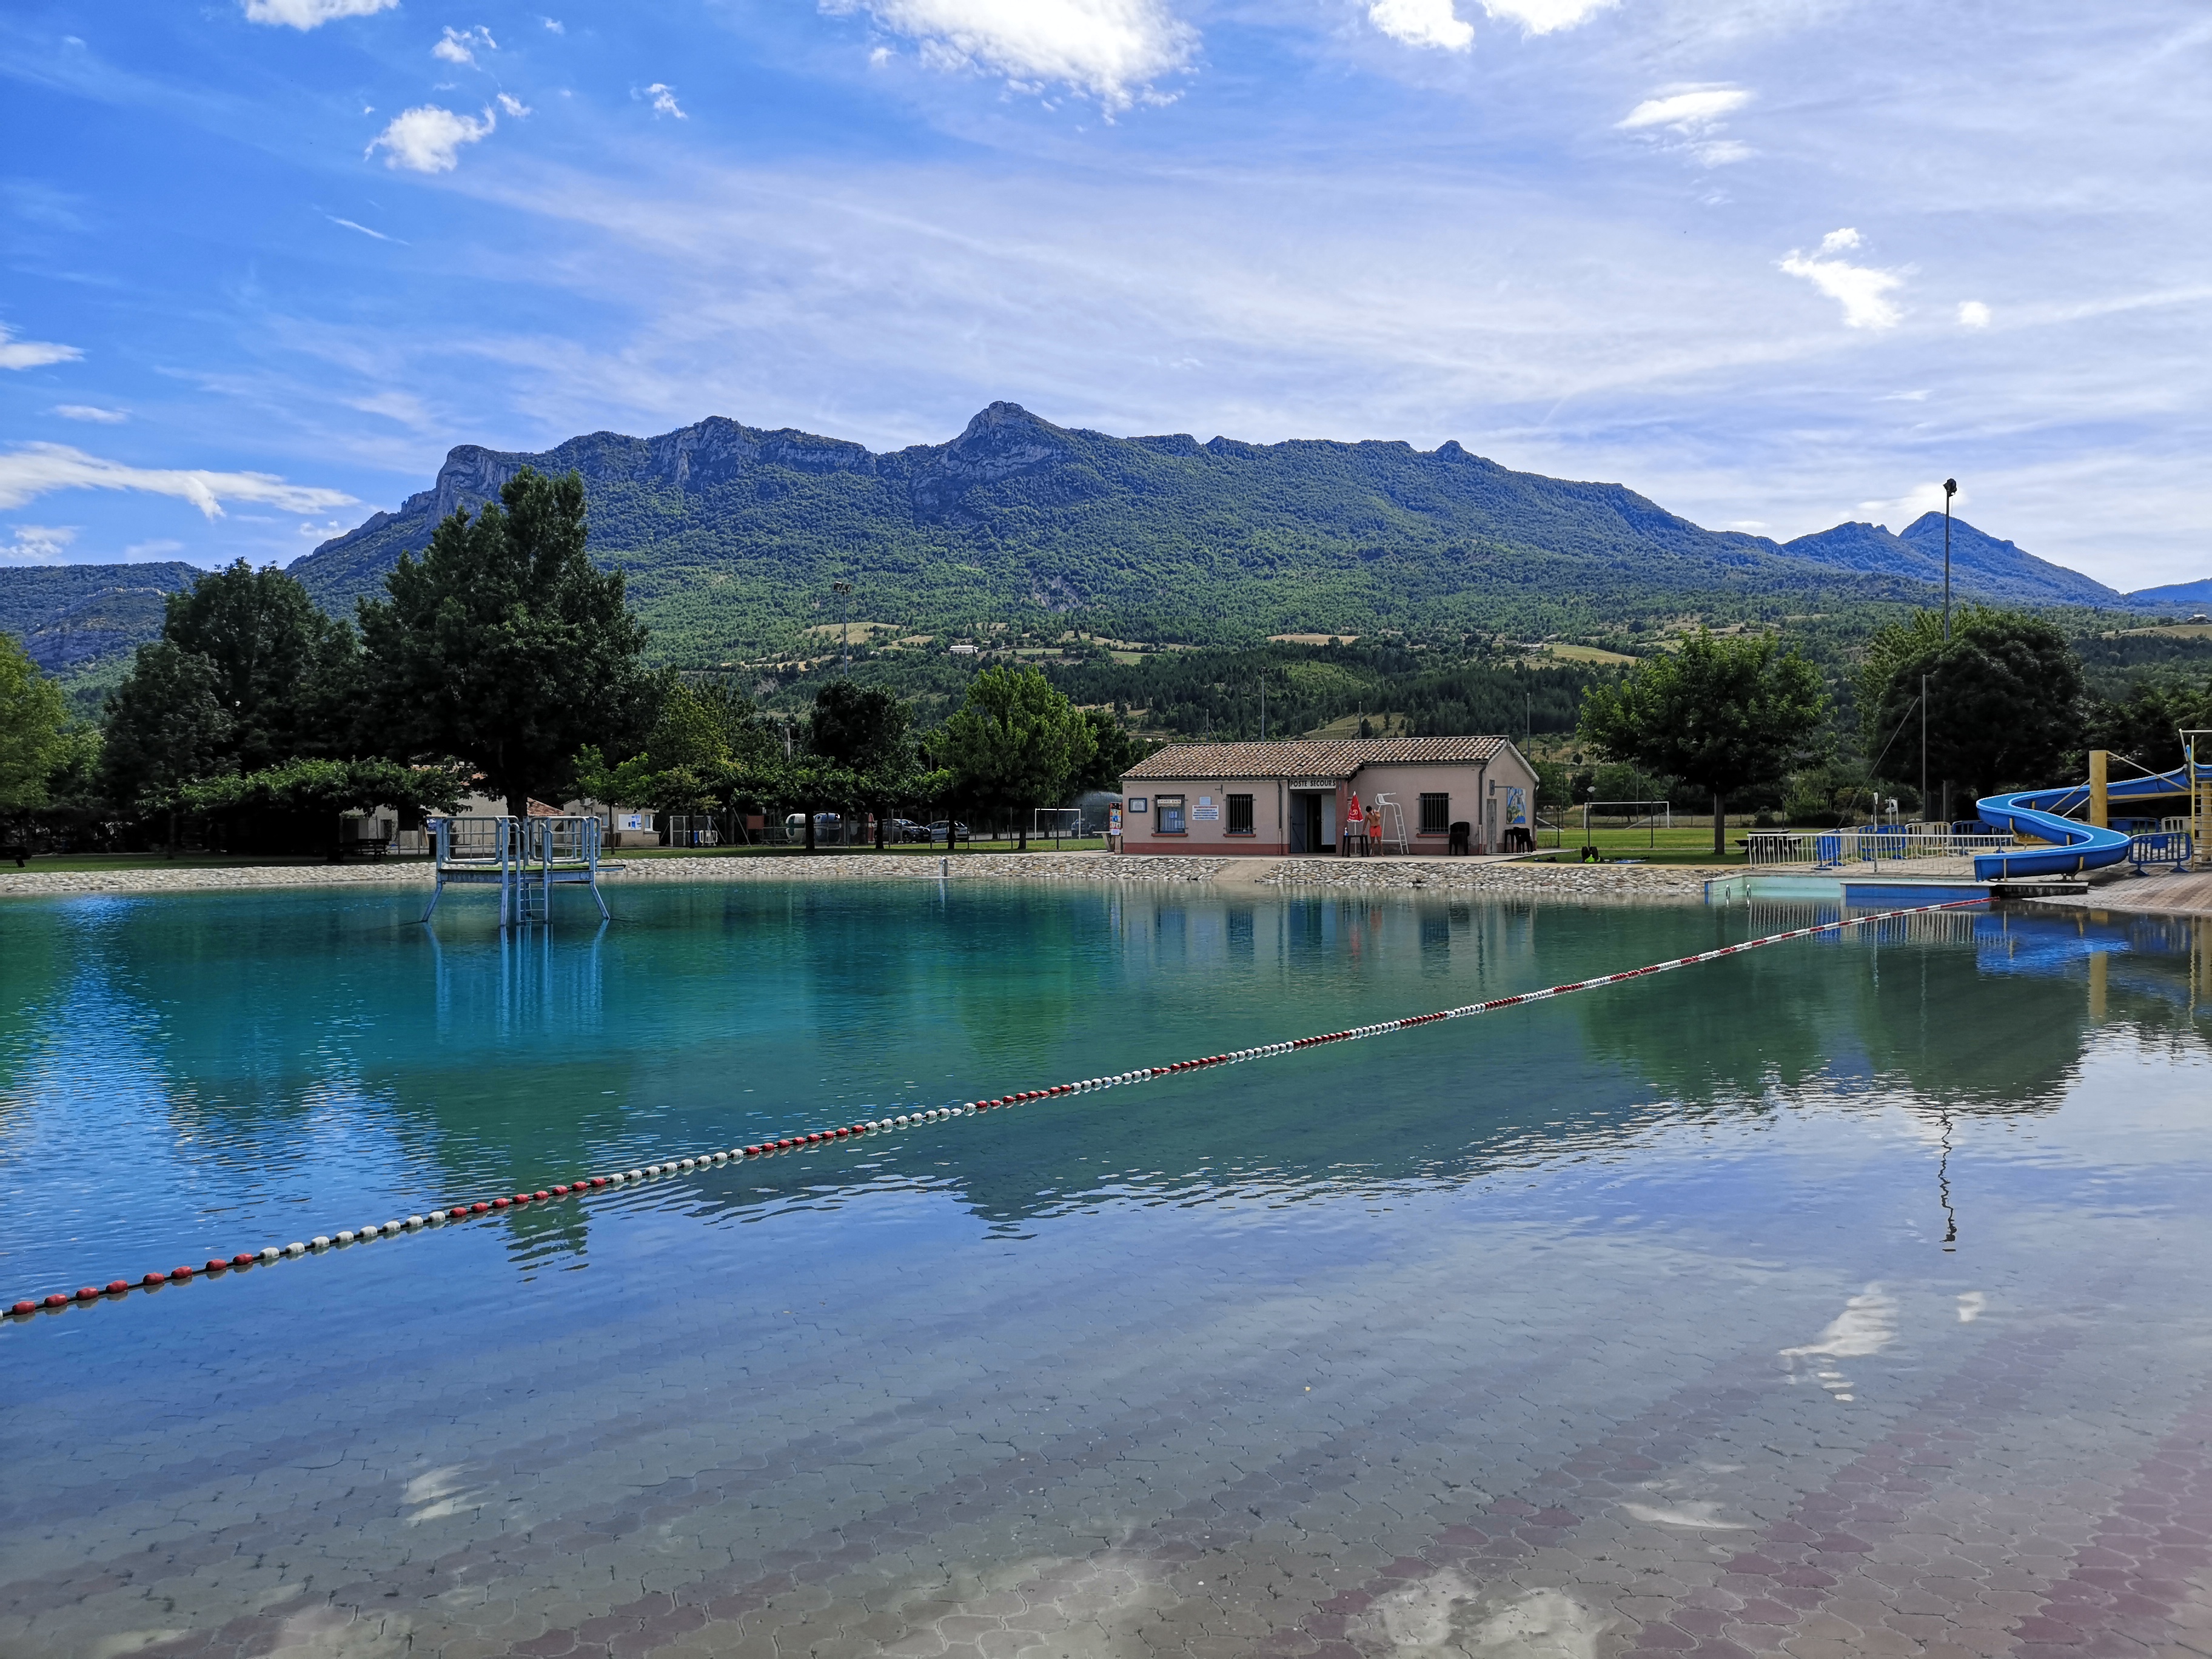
(2075, 847)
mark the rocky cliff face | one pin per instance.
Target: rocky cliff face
(729, 533)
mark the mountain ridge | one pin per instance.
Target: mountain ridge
(732, 533)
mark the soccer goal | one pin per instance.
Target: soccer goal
(1056, 822)
(1649, 816)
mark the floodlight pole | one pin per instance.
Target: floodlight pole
(1950, 489)
(1263, 705)
(844, 593)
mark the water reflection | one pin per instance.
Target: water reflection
(309, 1058)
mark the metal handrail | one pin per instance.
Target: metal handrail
(1864, 844)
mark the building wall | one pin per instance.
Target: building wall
(1467, 784)
(1140, 831)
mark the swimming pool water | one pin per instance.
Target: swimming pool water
(1847, 1292)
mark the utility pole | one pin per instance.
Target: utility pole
(844, 593)
(1263, 705)
(1950, 489)
(1924, 747)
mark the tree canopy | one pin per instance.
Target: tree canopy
(286, 676)
(503, 646)
(2006, 699)
(30, 711)
(1016, 743)
(166, 726)
(1725, 714)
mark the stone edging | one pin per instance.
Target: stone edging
(1448, 875)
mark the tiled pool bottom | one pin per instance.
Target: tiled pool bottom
(1342, 1355)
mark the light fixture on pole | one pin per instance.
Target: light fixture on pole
(1950, 489)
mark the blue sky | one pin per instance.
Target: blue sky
(1773, 263)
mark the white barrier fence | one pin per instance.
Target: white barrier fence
(1866, 844)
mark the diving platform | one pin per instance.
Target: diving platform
(526, 859)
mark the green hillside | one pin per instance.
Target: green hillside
(731, 536)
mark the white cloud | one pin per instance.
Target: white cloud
(459, 45)
(33, 354)
(310, 14)
(1691, 112)
(1862, 290)
(91, 412)
(1972, 314)
(1542, 16)
(33, 469)
(429, 139)
(38, 543)
(160, 547)
(663, 100)
(514, 106)
(1694, 116)
(1112, 50)
(349, 224)
(554, 25)
(1921, 498)
(1422, 23)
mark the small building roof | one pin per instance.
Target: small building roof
(1309, 758)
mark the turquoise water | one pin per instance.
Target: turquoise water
(1185, 1364)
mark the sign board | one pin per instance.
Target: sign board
(1205, 812)
(1517, 806)
(1114, 821)
(1138, 804)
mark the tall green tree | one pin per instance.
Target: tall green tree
(2007, 703)
(30, 711)
(857, 727)
(1725, 714)
(502, 646)
(287, 676)
(248, 674)
(166, 726)
(2146, 724)
(1113, 751)
(863, 731)
(1016, 743)
(704, 735)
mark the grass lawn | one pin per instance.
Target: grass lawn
(66, 861)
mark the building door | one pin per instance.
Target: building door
(1307, 835)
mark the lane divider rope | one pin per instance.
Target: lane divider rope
(583, 1186)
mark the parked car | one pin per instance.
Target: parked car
(905, 829)
(937, 830)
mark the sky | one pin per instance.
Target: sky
(1774, 264)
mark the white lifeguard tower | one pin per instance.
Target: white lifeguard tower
(524, 858)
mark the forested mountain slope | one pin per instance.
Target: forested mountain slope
(731, 534)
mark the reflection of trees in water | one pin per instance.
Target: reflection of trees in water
(1969, 1011)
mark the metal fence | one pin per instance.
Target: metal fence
(1865, 844)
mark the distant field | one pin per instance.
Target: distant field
(1313, 639)
(1584, 654)
(1347, 726)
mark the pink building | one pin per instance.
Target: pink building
(1278, 798)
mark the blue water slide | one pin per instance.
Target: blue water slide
(2077, 847)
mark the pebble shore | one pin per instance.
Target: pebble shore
(1361, 875)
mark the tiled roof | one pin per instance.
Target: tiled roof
(1307, 757)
